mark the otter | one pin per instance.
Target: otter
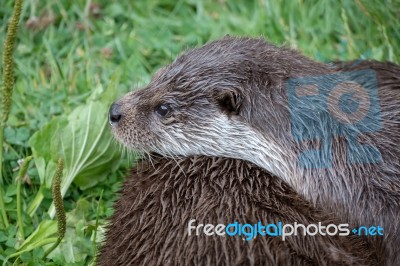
(161, 197)
(242, 98)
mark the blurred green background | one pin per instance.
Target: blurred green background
(68, 50)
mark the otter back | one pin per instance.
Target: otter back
(149, 226)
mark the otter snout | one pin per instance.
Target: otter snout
(114, 115)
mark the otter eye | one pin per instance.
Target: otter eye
(163, 109)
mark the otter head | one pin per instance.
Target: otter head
(224, 99)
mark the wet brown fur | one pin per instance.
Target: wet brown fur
(149, 226)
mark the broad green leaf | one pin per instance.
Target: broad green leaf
(45, 230)
(46, 145)
(83, 140)
(42, 236)
(87, 146)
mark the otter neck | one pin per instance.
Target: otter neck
(270, 156)
(330, 188)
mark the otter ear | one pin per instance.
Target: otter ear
(229, 101)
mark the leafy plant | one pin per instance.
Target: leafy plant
(82, 138)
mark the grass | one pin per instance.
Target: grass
(67, 49)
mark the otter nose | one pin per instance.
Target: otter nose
(114, 115)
